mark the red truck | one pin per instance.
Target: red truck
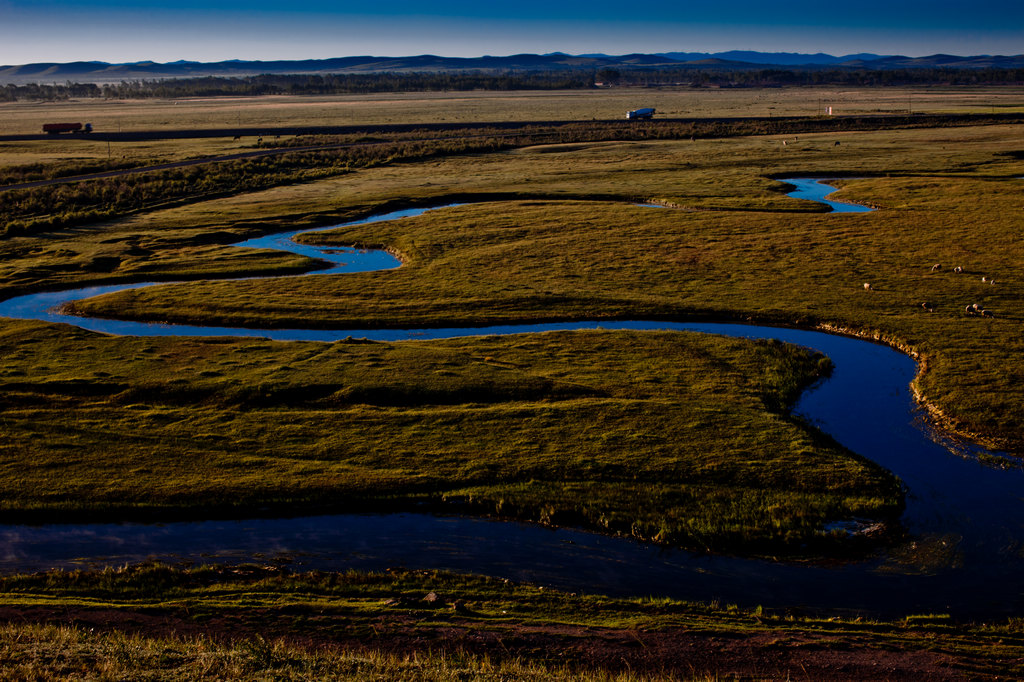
(58, 128)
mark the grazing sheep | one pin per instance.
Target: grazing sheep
(937, 266)
(969, 310)
(975, 307)
(986, 313)
(984, 279)
(784, 143)
(867, 286)
(836, 144)
(928, 306)
(958, 269)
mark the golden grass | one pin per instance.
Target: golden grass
(572, 105)
(950, 199)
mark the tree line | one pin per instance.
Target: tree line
(339, 84)
(309, 84)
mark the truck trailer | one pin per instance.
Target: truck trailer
(637, 114)
(58, 128)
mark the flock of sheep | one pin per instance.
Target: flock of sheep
(971, 309)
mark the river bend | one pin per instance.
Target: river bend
(966, 519)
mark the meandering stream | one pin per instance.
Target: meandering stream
(967, 519)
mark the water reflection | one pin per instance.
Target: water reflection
(966, 518)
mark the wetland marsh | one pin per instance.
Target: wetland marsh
(949, 497)
(687, 440)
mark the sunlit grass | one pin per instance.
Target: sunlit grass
(736, 248)
(527, 261)
(253, 622)
(481, 106)
(678, 438)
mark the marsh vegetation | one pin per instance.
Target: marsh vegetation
(671, 437)
(595, 429)
(167, 623)
(736, 248)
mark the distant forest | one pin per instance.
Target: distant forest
(338, 84)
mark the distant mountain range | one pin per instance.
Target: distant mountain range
(102, 72)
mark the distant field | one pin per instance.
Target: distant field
(67, 148)
(573, 105)
(75, 154)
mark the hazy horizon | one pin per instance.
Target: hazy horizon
(475, 56)
(121, 31)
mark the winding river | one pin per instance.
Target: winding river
(966, 519)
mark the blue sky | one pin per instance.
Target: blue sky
(164, 30)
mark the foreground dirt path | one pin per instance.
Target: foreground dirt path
(672, 652)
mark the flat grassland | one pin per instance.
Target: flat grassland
(556, 238)
(155, 622)
(675, 438)
(484, 106)
(735, 247)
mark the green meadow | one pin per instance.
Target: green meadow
(550, 242)
(674, 438)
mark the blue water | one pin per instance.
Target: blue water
(966, 520)
(816, 189)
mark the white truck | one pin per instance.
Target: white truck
(637, 114)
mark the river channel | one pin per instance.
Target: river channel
(965, 518)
